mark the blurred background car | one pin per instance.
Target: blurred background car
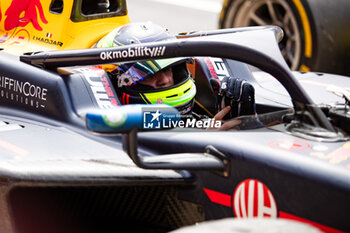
(177, 16)
(38, 25)
(316, 32)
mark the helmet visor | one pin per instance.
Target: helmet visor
(175, 97)
(135, 72)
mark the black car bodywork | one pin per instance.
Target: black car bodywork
(56, 176)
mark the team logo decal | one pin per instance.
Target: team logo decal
(16, 18)
(253, 199)
(21, 37)
(22, 92)
(48, 41)
(250, 199)
(289, 144)
(216, 67)
(337, 156)
(100, 86)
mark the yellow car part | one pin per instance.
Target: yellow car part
(40, 25)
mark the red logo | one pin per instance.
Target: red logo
(289, 144)
(253, 199)
(20, 37)
(30, 8)
(250, 199)
(210, 67)
(335, 157)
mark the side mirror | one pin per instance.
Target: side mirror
(129, 119)
(126, 117)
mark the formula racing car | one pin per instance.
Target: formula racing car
(74, 160)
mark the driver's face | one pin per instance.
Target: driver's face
(160, 79)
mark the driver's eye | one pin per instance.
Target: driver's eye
(167, 70)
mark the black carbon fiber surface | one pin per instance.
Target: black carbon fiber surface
(101, 209)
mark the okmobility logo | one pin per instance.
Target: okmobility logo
(163, 119)
(133, 52)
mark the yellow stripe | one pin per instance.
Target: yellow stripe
(146, 101)
(304, 68)
(223, 9)
(204, 108)
(152, 65)
(306, 26)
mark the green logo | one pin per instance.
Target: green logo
(114, 120)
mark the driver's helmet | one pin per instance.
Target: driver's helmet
(127, 76)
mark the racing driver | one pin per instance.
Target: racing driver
(166, 81)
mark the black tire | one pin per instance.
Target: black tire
(317, 34)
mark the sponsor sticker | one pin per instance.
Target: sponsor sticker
(217, 67)
(251, 198)
(48, 41)
(19, 38)
(114, 120)
(22, 92)
(133, 52)
(289, 144)
(334, 157)
(101, 87)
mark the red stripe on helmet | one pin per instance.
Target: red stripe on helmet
(124, 98)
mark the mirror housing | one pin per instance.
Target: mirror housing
(129, 119)
(126, 117)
